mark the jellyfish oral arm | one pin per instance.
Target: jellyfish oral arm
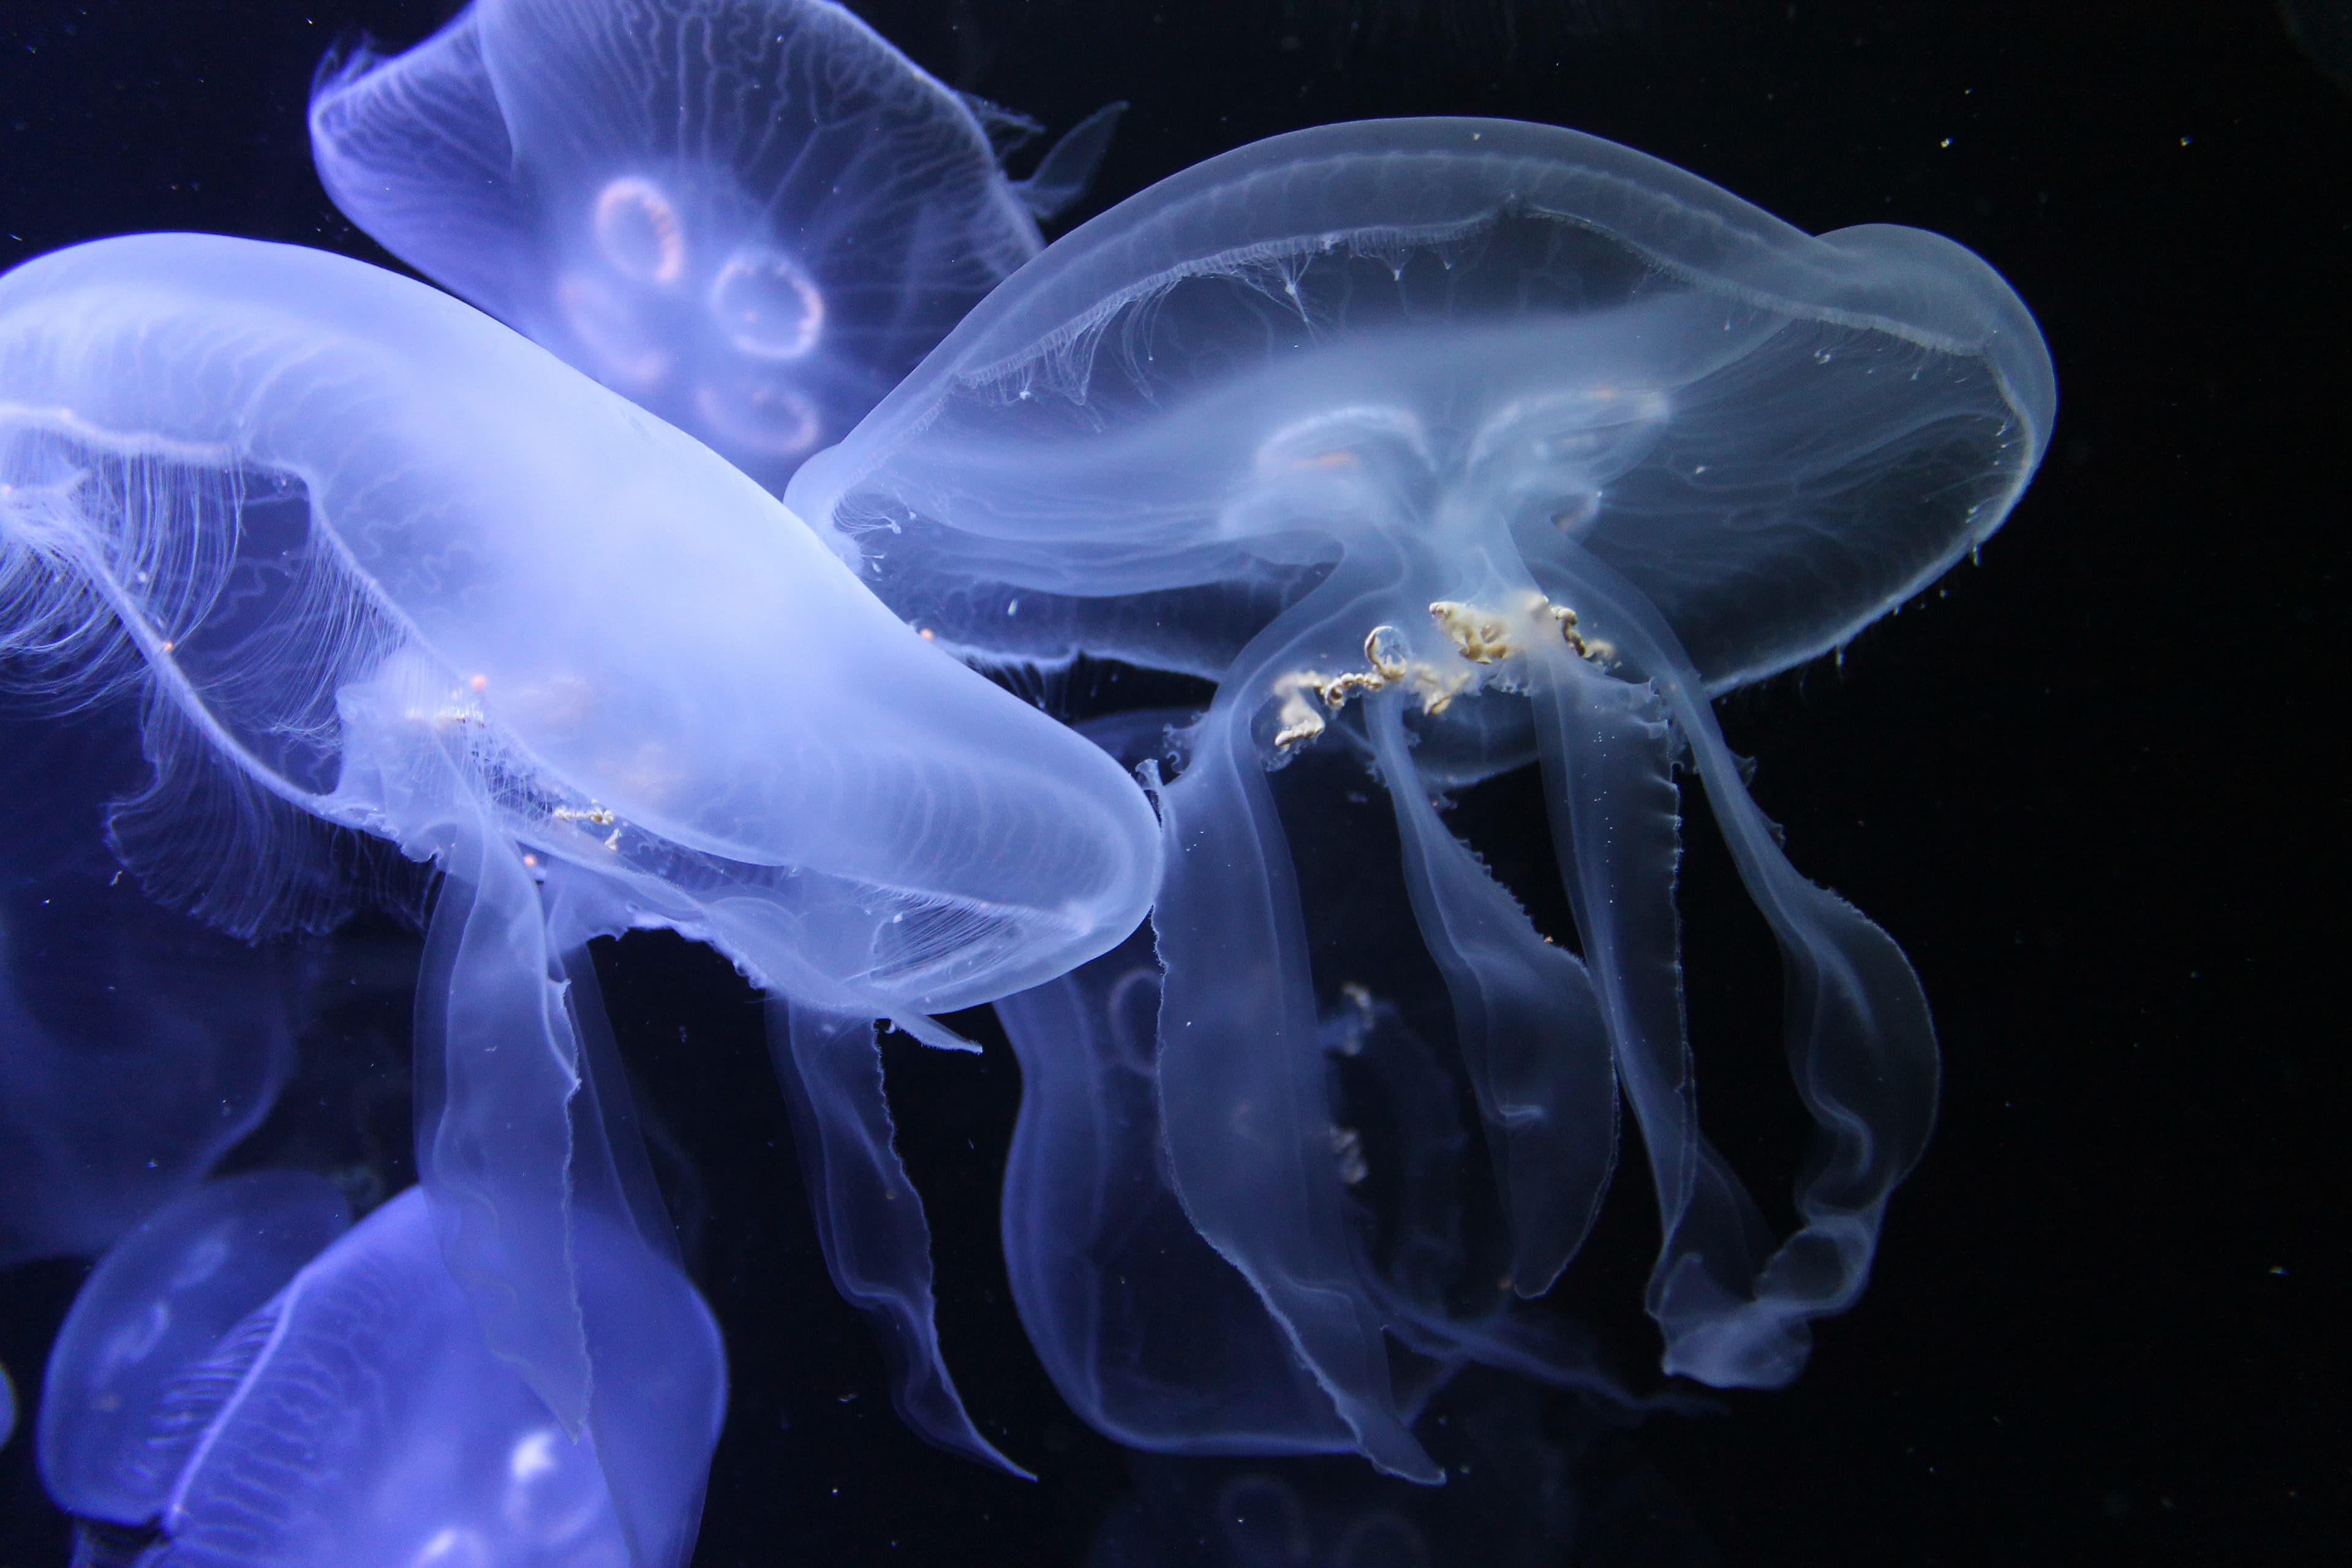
(497, 1064)
(1242, 1092)
(878, 1244)
(1068, 167)
(1529, 1024)
(1734, 1306)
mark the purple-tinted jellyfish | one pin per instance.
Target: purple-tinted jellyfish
(352, 1415)
(374, 566)
(1445, 447)
(751, 216)
(155, 1304)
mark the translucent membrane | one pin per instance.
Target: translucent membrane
(354, 1414)
(155, 1304)
(752, 217)
(1443, 447)
(374, 568)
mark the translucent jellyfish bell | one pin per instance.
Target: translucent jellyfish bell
(1448, 445)
(355, 1416)
(1663, 323)
(755, 240)
(154, 1305)
(380, 568)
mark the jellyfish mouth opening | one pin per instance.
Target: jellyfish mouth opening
(767, 305)
(639, 230)
(1483, 638)
(763, 417)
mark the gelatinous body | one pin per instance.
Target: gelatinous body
(377, 567)
(751, 216)
(154, 1305)
(1445, 446)
(355, 1416)
(1151, 1335)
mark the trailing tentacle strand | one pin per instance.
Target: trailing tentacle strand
(1861, 1042)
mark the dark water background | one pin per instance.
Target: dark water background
(2096, 787)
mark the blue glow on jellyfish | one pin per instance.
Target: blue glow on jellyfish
(751, 216)
(377, 566)
(1147, 1333)
(256, 1383)
(1445, 447)
(155, 1305)
(1439, 449)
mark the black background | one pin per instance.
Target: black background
(2093, 786)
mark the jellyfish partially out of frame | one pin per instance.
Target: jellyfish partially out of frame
(751, 216)
(153, 1307)
(377, 567)
(1450, 445)
(256, 1379)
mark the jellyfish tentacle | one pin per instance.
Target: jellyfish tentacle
(1153, 1337)
(497, 1064)
(1244, 1096)
(611, 1171)
(1860, 1040)
(1528, 1023)
(1068, 167)
(869, 1218)
(1607, 749)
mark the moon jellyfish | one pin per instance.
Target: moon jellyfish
(1443, 448)
(375, 566)
(155, 1304)
(751, 216)
(191, 1032)
(355, 1416)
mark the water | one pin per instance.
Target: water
(2068, 783)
